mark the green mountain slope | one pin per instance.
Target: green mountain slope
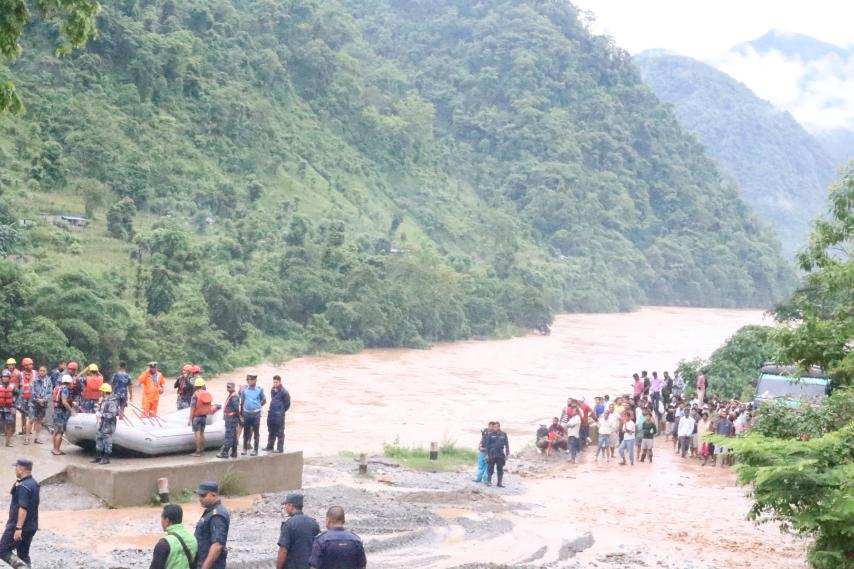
(326, 175)
(781, 169)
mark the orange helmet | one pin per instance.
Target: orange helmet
(72, 366)
(26, 362)
(187, 368)
(197, 369)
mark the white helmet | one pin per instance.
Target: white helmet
(67, 379)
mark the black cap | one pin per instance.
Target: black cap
(294, 499)
(25, 463)
(206, 487)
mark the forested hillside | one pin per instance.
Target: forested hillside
(782, 170)
(267, 177)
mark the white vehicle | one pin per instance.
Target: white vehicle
(149, 436)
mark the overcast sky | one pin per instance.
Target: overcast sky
(705, 29)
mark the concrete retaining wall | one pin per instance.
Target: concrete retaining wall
(135, 485)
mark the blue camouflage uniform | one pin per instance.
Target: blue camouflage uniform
(231, 412)
(212, 528)
(280, 402)
(338, 548)
(109, 410)
(120, 382)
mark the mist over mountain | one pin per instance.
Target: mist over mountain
(783, 172)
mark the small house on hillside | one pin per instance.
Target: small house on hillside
(65, 221)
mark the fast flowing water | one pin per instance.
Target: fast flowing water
(448, 392)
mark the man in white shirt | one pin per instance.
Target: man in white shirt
(686, 432)
(628, 443)
(606, 427)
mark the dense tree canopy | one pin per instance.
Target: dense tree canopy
(268, 177)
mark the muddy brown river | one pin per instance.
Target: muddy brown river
(672, 513)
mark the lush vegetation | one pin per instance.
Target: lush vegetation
(269, 178)
(451, 457)
(781, 169)
(800, 462)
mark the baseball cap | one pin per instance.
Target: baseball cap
(25, 463)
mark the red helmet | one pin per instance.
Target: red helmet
(72, 366)
(26, 362)
(187, 368)
(197, 369)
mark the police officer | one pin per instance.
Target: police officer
(497, 450)
(107, 413)
(252, 400)
(231, 412)
(296, 536)
(177, 550)
(212, 528)
(337, 548)
(280, 402)
(23, 519)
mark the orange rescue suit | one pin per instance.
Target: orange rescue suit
(152, 387)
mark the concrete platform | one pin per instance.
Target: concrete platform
(134, 482)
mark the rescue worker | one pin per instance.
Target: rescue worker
(74, 390)
(201, 405)
(337, 548)
(91, 392)
(497, 451)
(184, 385)
(107, 417)
(177, 550)
(63, 408)
(55, 380)
(122, 388)
(252, 400)
(25, 393)
(152, 383)
(231, 413)
(13, 371)
(212, 528)
(23, 522)
(296, 535)
(39, 403)
(280, 402)
(7, 405)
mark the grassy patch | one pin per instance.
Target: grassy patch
(451, 457)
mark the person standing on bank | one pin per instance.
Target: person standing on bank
(212, 528)
(107, 415)
(280, 402)
(337, 548)
(177, 550)
(231, 413)
(122, 387)
(296, 536)
(201, 405)
(497, 451)
(23, 522)
(252, 400)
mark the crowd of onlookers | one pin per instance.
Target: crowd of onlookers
(658, 406)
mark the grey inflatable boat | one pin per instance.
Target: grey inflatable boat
(153, 436)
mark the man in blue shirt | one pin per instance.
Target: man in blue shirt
(337, 548)
(280, 402)
(122, 387)
(23, 519)
(252, 399)
(296, 536)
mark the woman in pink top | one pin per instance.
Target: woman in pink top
(701, 387)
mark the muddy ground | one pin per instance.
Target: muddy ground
(670, 515)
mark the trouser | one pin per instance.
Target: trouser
(229, 444)
(276, 432)
(574, 445)
(251, 429)
(604, 443)
(495, 464)
(481, 467)
(656, 397)
(149, 406)
(21, 548)
(104, 443)
(583, 434)
(685, 444)
(628, 445)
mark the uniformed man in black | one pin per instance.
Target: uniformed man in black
(337, 548)
(212, 529)
(297, 535)
(23, 519)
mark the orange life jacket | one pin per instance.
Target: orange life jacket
(26, 387)
(204, 402)
(92, 389)
(7, 396)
